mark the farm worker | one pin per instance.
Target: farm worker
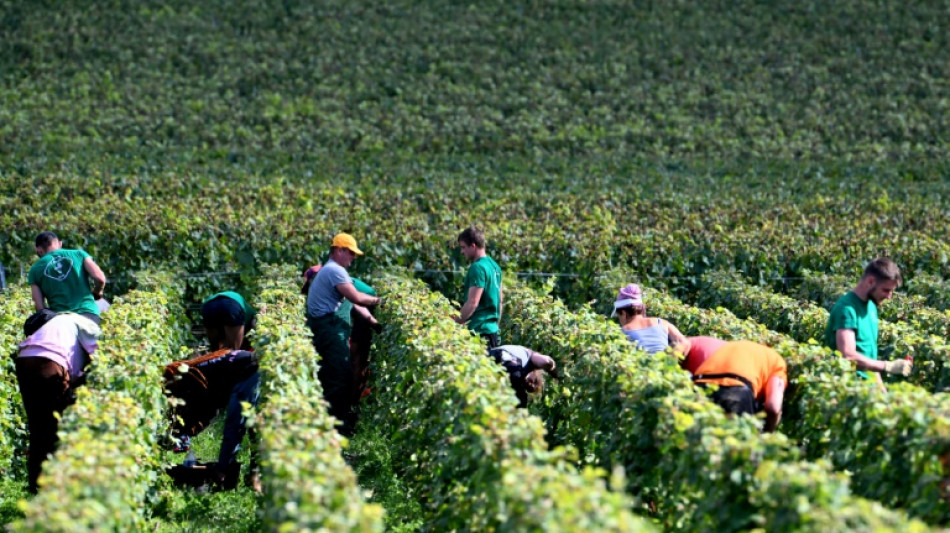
(650, 334)
(700, 348)
(524, 368)
(227, 318)
(60, 279)
(222, 379)
(853, 322)
(483, 292)
(331, 334)
(751, 377)
(362, 324)
(49, 366)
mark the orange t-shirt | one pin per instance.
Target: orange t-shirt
(751, 360)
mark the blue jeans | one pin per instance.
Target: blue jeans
(234, 429)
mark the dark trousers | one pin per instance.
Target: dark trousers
(331, 337)
(736, 400)
(45, 388)
(492, 340)
(235, 423)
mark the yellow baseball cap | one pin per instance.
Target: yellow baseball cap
(345, 240)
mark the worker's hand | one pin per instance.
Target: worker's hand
(899, 366)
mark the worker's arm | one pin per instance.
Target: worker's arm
(774, 396)
(678, 341)
(39, 302)
(542, 361)
(364, 312)
(847, 345)
(97, 275)
(350, 293)
(468, 308)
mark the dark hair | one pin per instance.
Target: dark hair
(45, 239)
(308, 277)
(883, 269)
(633, 310)
(473, 235)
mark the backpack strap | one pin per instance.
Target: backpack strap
(729, 375)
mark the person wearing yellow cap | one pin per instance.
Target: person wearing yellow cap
(331, 334)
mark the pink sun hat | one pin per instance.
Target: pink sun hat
(628, 296)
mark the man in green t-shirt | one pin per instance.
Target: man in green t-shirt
(853, 322)
(483, 293)
(60, 279)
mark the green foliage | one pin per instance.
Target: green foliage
(933, 288)
(307, 485)
(232, 81)
(474, 459)
(15, 305)
(372, 459)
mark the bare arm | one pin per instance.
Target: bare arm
(542, 361)
(350, 293)
(38, 300)
(97, 275)
(468, 308)
(364, 312)
(847, 345)
(774, 395)
(678, 341)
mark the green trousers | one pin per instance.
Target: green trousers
(331, 339)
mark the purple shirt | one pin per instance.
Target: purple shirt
(65, 340)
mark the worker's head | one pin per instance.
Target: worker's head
(471, 242)
(881, 278)
(534, 381)
(629, 303)
(343, 249)
(47, 242)
(308, 275)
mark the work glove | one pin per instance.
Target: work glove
(899, 366)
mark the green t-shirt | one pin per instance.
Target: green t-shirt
(346, 306)
(484, 273)
(249, 312)
(64, 281)
(850, 312)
